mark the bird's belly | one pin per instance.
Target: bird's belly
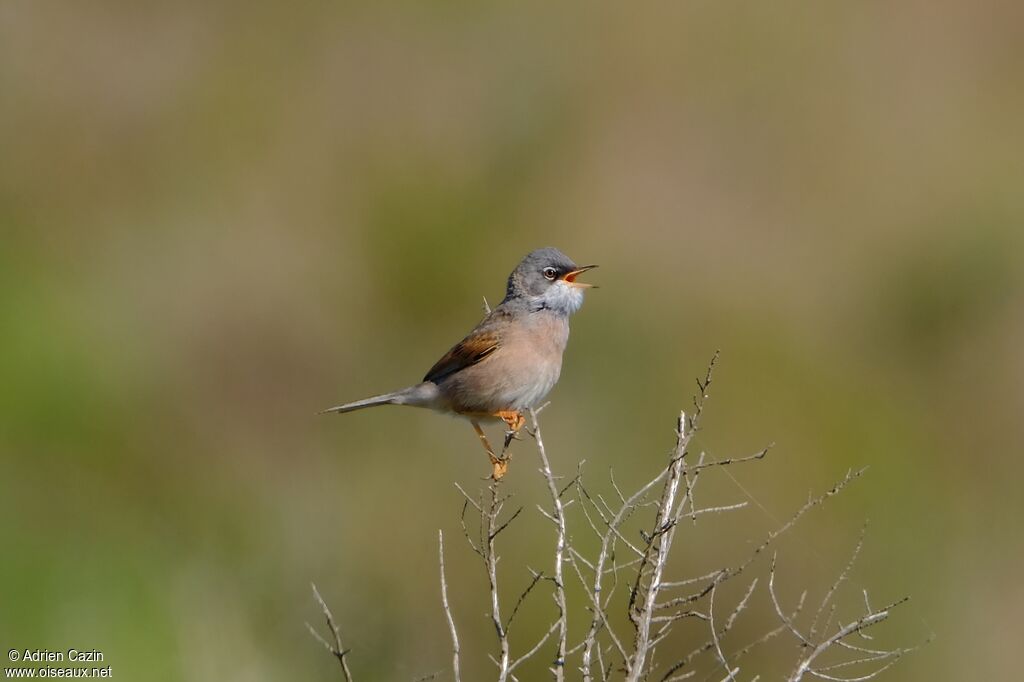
(531, 393)
(501, 382)
(516, 376)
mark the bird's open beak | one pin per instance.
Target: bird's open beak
(570, 277)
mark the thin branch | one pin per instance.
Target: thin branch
(726, 462)
(522, 597)
(536, 647)
(726, 574)
(788, 622)
(336, 648)
(730, 674)
(558, 517)
(866, 621)
(658, 547)
(505, 525)
(447, 609)
(491, 562)
(426, 678)
(843, 576)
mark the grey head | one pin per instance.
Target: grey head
(546, 280)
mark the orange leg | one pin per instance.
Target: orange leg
(499, 465)
(513, 418)
(514, 421)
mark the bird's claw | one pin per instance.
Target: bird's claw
(499, 467)
(512, 418)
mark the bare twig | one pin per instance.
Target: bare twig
(605, 554)
(529, 654)
(447, 610)
(336, 648)
(491, 514)
(642, 598)
(522, 597)
(843, 576)
(866, 621)
(788, 622)
(427, 677)
(733, 460)
(558, 516)
(730, 674)
(812, 649)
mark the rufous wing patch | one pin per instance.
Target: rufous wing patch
(471, 350)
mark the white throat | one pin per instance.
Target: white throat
(562, 297)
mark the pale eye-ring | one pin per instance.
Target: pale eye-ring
(550, 273)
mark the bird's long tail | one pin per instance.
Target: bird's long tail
(383, 399)
(421, 395)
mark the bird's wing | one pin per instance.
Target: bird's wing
(480, 343)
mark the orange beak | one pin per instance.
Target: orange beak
(570, 277)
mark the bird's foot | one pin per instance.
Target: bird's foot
(499, 467)
(514, 419)
(509, 437)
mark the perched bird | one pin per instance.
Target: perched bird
(511, 360)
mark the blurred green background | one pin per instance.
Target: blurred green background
(219, 218)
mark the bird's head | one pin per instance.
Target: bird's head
(547, 278)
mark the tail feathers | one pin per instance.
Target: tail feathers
(385, 399)
(421, 395)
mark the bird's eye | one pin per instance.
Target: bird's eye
(549, 273)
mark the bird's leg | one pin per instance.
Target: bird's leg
(499, 465)
(483, 438)
(514, 420)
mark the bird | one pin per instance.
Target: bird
(510, 361)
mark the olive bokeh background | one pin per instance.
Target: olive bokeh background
(219, 218)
